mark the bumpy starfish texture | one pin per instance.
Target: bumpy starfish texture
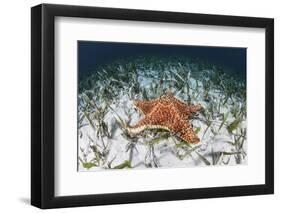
(167, 112)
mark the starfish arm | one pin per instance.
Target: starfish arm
(195, 108)
(185, 108)
(184, 130)
(142, 123)
(159, 116)
(145, 106)
(180, 105)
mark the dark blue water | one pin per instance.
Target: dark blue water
(91, 55)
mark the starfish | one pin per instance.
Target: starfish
(167, 112)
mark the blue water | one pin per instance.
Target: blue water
(92, 55)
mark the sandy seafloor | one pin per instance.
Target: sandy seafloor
(218, 144)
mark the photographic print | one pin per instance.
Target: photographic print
(120, 95)
(143, 106)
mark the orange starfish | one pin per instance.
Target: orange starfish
(167, 112)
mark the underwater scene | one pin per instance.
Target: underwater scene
(160, 106)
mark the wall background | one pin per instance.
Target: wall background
(15, 104)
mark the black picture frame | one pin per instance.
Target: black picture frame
(43, 110)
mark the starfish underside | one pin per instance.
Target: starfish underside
(168, 113)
